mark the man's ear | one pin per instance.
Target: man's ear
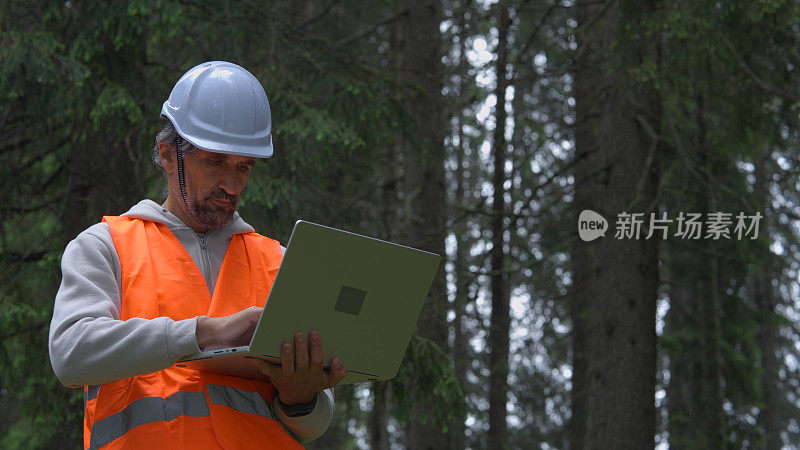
(167, 155)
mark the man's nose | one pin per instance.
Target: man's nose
(230, 184)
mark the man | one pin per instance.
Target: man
(142, 290)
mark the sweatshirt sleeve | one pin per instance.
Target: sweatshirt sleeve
(312, 425)
(88, 343)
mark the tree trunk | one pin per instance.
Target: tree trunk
(424, 190)
(461, 274)
(501, 321)
(770, 417)
(381, 391)
(459, 351)
(379, 416)
(712, 417)
(696, 396)
(682, 369)
(618, 279)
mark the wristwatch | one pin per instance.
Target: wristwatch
(298, 409)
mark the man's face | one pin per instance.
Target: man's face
(214, 182)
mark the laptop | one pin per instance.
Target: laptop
(363, 295)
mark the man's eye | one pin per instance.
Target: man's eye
(214, 162)
(244, 167)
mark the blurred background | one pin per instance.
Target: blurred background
(478, 130)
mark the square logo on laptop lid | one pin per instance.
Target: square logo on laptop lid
(350, 300)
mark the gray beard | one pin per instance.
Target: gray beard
(208, 215)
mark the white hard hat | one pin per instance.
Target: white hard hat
(221, 107)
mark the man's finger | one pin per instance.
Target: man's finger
(337, 373)
(316, 354)
(272, 371)
(300, 354)
(287, 360)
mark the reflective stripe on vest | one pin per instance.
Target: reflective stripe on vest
(147, 410)
(239, 399)
(90, 394)
(179, 407)
(192, 404)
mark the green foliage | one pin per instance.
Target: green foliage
(427, 374)
(115, 102)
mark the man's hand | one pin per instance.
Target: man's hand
(300, 376)
(229, 331)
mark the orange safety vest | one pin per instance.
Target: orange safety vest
(178, 408)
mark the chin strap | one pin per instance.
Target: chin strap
(181, 176)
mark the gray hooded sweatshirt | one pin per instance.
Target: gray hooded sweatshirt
(89, 345)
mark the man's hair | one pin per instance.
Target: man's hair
(170, 136)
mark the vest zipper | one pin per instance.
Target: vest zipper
(205, 263)
(202, 238)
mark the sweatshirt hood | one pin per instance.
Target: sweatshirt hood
(150, 210)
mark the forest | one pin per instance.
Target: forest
(612, 184)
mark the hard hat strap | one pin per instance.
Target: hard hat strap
(181, 176)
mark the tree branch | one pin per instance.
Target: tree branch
(367, 30)
(23, 330)
(752, 74)
(322, 13)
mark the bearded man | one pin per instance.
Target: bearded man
(162, 281)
